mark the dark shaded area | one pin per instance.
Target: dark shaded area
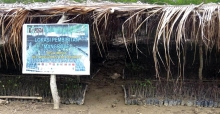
(141, 64)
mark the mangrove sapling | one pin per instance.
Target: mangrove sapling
(133, 101)
(218, 104)
(143, 86)
(78, 96)
(211, 103)
(207, 96)
(195, 101)
(190, 99)
(159, 93)
(139, 92)
(174, 100)
(72, 100)
(179, 94)
(129, 94)
(210, 97)
(215, 104)
(162, 94)
(178, 101)
(136, 91)
(215, 91)
(196, 92)
(149, 92)
(160, 101)
(129, 91)
(153, 96)
(200, 94)
(66, 101)
(175, 92)
(148, 101)
(184, 96)
(74, 94)
(63, 96)
(166, 102)
(127, 100)
(205, 103)
(170, 102)
(1, 87)
(132, 92)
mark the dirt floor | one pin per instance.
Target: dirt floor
(102, 97)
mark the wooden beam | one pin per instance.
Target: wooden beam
(20, 97)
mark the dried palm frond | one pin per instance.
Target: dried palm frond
(172, 22)
(134, 23)
(11, 32)
(98, 18)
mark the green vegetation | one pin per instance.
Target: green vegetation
(25, 1)
(172, 2)
(144, 83)
(135, 67)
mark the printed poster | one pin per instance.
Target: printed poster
(56, 49)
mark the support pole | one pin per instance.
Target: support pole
(54, 91)
(53, 85)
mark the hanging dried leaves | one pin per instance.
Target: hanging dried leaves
(165, 24)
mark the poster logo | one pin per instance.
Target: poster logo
(38, 30)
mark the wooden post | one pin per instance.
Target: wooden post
(54, 91)
(53, 85)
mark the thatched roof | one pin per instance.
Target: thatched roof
(128, 22)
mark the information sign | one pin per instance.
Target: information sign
(56, 49)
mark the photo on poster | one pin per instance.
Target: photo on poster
(56, 49)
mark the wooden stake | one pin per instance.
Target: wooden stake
(54, 92)
(53, 85)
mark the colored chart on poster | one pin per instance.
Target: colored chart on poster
(56, 49)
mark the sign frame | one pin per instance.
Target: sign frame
(62, 49)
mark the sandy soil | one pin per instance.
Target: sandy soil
(102, 97)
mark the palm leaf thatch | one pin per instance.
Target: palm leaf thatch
(160, 24)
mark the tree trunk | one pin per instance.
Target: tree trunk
(54, 92)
